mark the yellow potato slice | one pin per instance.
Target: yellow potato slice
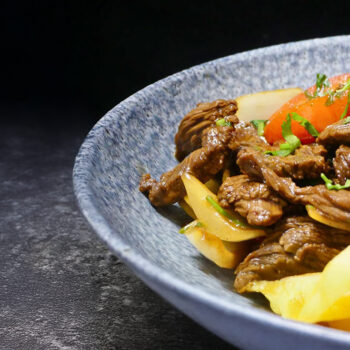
(318, 216)
(262, 105)
(214, 249)
(343, 325)
(215, 223)
(213, 185)
(316, 297)
(288, 295)
(187, 209)
(331, 298)
(225, 174)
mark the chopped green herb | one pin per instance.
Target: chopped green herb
(292, 141)
(346, 108)
(322, 84)
(330, 186)
(338, 92)
(288, 134)
(321, 81)
(222, 122)
(305, 123)
(346, 120)
(323, 88)
(190, 225)
(223, 212)
(279, 153)
(259, 124)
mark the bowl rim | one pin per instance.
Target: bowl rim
(159, 276)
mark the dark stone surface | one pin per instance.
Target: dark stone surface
(60, 287)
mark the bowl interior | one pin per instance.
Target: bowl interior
(137, 137)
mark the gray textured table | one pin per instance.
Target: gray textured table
(60, 288)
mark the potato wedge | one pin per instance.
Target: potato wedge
(343, 325)
(288, 295)
(331, 298)
(316, 297)
(187, 209)
(225, 174)
(215, 223)
(317, 215)
(213, 185)
(214, 249)
(262, 105)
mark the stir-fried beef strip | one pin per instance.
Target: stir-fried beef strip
(203, 163)
(341, 164)
(308, 161)
(189, 134)
(333, 204)
(335, 134)
(245, 135)
(255, 201)
(297, 245)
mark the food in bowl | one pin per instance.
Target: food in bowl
(265, 178)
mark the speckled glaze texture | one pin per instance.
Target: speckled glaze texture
(137, 137)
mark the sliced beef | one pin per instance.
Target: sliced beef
(297, 245)
(202, 163)
(341, 164)
(333, 204)
(255, 201)
(268, 263)
(335, 134)
(308, 161)
(245, 135)
(189, 135)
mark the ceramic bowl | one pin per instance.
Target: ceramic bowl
(137, 136)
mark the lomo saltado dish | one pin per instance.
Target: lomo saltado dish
(266, 179)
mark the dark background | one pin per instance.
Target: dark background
(88, 55)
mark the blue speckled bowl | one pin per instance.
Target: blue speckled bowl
(137, 135)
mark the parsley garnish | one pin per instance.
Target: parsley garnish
(346, 109)
(191, 224)
(322, 87)
(346, 120)
(222, 122)
(223, 212)
(330, 186)
(338, 92)
(305, 123)
(259, 124)
(288, 134)
(292, 141)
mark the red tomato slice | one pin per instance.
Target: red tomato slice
(314, 110)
